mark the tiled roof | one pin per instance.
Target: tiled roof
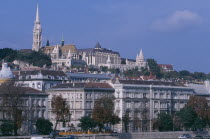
(141, 82)
(85, 85)
(167, 66)
(64, 48)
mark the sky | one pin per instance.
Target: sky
(173, 32)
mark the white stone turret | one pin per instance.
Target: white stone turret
(126, 62)
(37, 32)
(55, 52)
(84, 56)
(108, 60)
(140, 57)
(69, 54)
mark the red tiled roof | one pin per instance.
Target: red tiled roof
(168, 66)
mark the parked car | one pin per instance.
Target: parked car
(198, 137)
(185, 136)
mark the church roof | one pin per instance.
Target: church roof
(64, 48)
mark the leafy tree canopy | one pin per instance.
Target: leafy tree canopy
(86, 123)
(32, 57)
(164, 122)
(44, 126)
(7, 128)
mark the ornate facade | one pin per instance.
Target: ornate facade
(98, 56)
(143, 100)
(139, 63)
(62, 55)
(80, 97)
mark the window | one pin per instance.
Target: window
(128, 104)
(144, 95)
(43, 114)
(156, 95)
(33, 85)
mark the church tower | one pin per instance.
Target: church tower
(37, 32)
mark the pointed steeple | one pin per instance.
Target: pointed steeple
(37, 13)
(62, 41)
(37, 32)
(48, 43)
(108, 60)
(69, 54)
(141, 55)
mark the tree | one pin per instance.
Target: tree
(86, 123)
(7, 128)
(44, 126)
(104, 69)
(13, 103)
(187, 116)
(61, 110)
(154, 68)
(171, 75)
(184, 73)
(125, 120)
(199, 75)
(8, 54)
(198, 124)
(103, 112)
(164, 122)
(200, 105)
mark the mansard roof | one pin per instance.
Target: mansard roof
(142, 82)
(85, 85)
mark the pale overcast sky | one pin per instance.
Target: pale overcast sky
(170, 31)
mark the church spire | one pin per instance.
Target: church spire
(37, 32)
(62, 41)
(141, 55)
(37, 13)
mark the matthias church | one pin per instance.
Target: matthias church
(66, 55)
